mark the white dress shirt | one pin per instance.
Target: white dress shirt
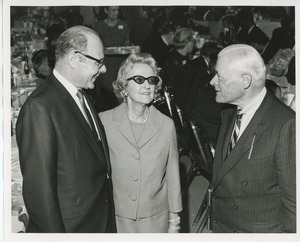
(249, 111)
(73, 92)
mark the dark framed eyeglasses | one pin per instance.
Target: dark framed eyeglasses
(100, 62)
(152, 80)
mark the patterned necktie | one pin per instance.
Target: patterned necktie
(81, 96)
(236, 130)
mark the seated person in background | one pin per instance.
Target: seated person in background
(228, 36)
(202, 107)
(160, 43)
(249, 33)
(178, 72)
(215, 25)
(112, 30)
(279, 63)
(279, 37)
(40, 65)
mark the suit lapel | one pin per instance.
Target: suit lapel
(256, 128)
(101, 134)
(123, 124)
(229, 128)
(72, 106)
(152, 126)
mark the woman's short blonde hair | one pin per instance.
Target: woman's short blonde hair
(142, 58)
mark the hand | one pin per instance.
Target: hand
(172, 230)
(174, 223)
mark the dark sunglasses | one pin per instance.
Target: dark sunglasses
(100, 62)
(152, 80)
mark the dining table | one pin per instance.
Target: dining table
(19, 215)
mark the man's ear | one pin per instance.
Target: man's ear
(247, 80)
(73, 60)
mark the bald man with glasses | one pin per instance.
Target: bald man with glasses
(63, 150)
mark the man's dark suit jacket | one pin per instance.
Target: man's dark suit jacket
(254, 189)
(279, 38)
(202, 107)
(179, 76)
(155, 46)
(256, 35)
(66, 184)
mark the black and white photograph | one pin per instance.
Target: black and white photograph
(130, 120)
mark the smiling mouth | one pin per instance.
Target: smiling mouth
(95, 76)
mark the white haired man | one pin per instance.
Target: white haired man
(254, 173)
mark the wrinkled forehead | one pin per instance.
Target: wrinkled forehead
(234, 56)
(242, 58)
(224, 62)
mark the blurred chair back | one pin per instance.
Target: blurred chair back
(200, 148)
(167, 106)
(205, 148)
(203, 154)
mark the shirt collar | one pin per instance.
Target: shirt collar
(206, 61)
(250, 29)
(164, 40)
(254, 105)
(68, 85)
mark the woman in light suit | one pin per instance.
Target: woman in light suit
(143, 152)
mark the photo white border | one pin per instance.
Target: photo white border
(5, 115)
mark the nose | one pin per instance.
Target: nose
(214, 81)
(146, 84)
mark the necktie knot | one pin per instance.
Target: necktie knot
(239, 116)
(79, 94)
(239, 112)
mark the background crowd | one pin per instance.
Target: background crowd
(184, 41)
